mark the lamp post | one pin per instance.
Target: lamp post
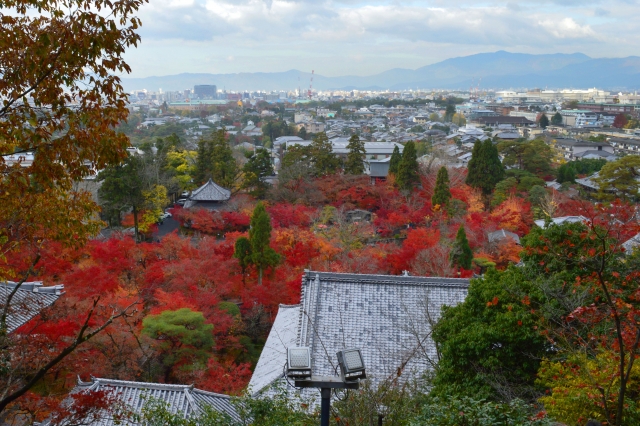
(352, 369)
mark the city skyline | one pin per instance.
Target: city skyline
(364, 38)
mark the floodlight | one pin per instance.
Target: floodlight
(299, 362)
(351, 364)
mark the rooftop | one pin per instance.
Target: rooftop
(28, 300)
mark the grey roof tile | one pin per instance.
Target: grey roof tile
(27, 302)
(210, 191)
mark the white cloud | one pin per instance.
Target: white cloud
(268, 35)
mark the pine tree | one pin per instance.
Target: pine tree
(461, 254)
(485, 169)
(556, 120)
(255, 171)
(441, 193)
(203, 161)
(407, 175)
(242, 252)
(356, 156)
(262, 255)
(225, 170)
(324, 160)
(394, 162)
(544, 121)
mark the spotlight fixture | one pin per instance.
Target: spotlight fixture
(351, 364)
(299, 363)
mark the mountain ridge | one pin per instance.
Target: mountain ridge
(493, 70)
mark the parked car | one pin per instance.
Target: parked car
(181, 201)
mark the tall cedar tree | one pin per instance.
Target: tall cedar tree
(407, 175)
(215, 160)
(461, 254)
(255, 170)
(324, 160)
(262, 255)
(242, 252)
(123, 188)
(485, 169)
(544, 121)
(356, 156)
(394, 162)
(441, 193)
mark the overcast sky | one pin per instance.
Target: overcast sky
(351, 37)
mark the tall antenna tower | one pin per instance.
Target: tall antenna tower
(309, 94)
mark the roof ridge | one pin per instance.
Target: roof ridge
(133, 384)
(209, 393)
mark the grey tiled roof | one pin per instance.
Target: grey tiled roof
(180, 399)
(210, 191)
(502, 234)
(387, 316)
(28, 301)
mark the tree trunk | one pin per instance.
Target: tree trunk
(135, 223)
(260, 276)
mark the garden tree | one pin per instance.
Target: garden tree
(566, 173)
(354, 165)
(449, 113)
(434, 116)
(407, 175)
(215, 161)
(458, 119)
(619, 178)
(620, 121)
(533, 156)
(544, 121)
(488, 346)
(325, 162)
(633, 123)
(182, 339)
(255, 171)
(556, 120)
(588, 166)
(485, 169)
(123, 188)
(262, 255)
(181, 164)
(591, 323)
(441, 192)
(394, 162)
(461, 253)
(242, 252)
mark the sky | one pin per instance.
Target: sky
(351, 37)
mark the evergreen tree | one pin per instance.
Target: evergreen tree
(441, 193)
(255, 170)
(242, 252)
(225, 168)
(394, 162)
(485, 169)
(262, 255)
(544, 121)
(356, 156)
(566, 173)
(407, 175)
(556, 120)
(324, 160)
(461, 254)
(449, 113)
(203, 162)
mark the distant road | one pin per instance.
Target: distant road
(168, 226)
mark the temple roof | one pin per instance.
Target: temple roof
(28, 301)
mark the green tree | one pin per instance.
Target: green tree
(461, 253)
(544, 121)
(619, 178)
(556, 120)
(123, 188)
(394, 162)
(181, 338)
(533, 156)
(485, 169)
(449, 113)
(566, 173)
(242, 252)
(441, 192)
(354, 165)
(434, 116)
(262, 255)
(325, 162)
(255, 171)
(215, 161)
(407, 175)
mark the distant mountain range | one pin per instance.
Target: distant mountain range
(498, 70)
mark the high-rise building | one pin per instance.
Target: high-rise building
(205, 91)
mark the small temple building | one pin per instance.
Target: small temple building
(208, 196)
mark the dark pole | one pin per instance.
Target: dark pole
(380, 417)
(325, 407)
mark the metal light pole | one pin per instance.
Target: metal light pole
(326, 383)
